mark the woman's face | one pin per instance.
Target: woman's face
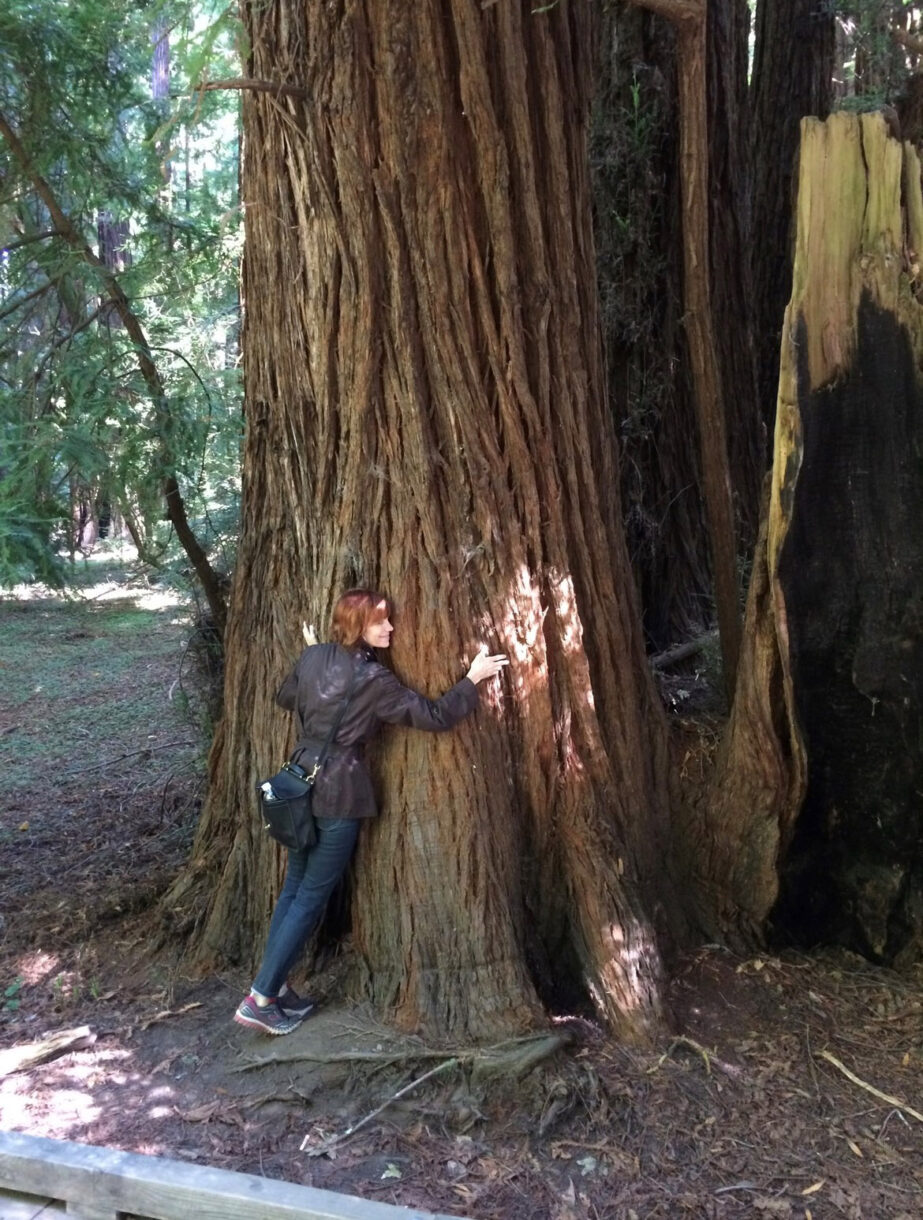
(378, 631)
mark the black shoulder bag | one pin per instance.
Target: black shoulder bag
(285, 798)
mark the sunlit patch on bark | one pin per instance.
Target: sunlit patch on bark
(570, 628)
(520, 626)
(627, 975)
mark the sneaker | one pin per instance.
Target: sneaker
(270, 1020)
(293, 1005)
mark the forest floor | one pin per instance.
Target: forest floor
(790, 1085)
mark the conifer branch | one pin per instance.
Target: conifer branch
(175, 508)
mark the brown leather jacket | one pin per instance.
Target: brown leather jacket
(315, 691)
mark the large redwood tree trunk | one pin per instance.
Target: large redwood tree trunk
(426, 412)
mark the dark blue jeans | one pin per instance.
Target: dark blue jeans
(309, 882)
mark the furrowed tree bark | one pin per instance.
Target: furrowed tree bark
(689, 20)
(824, 750)
(425, 412)
(730, 241)
(175, 509)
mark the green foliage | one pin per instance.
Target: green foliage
(874, 68)
(11, 995)
(150, 184)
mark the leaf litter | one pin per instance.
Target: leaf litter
(788, 1085)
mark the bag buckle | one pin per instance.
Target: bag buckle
(298, 770)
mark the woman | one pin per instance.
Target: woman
(316, 692)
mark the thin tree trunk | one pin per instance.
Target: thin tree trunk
(638, 228)
(730, 243)
(689, 20)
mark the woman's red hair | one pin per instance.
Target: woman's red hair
(354, 611)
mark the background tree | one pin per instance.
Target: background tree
(731, 238)
(792, 77)
(92, 411)
(688, 17)
(634, 158)
(637, 187)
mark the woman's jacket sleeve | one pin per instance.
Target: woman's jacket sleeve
(397, 704)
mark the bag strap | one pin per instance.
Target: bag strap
(312, 775)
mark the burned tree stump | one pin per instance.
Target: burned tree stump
(846, 541)
(811, 825)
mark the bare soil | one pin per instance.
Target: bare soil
(746, 1109)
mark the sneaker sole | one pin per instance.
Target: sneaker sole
(251, 1023)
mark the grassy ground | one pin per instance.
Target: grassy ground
(101, 749)
(78, 675)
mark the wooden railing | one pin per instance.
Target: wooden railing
(102, 1184)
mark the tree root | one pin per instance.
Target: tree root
(514, 1057)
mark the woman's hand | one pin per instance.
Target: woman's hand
(484, 666)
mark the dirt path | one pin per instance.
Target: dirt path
(746, 1114)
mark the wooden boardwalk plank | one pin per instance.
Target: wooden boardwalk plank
(103, 1184)
(21, 1207)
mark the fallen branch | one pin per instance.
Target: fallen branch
(382, 1057)
(680, 652)
(121, 757)
(21, 1058)
(328, 1145)
(892, 1101)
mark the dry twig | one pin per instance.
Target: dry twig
(534, 1047)
(326, 1146)
(682, 1040)
(892, 1101)
(168, 1012)
(109, 762)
